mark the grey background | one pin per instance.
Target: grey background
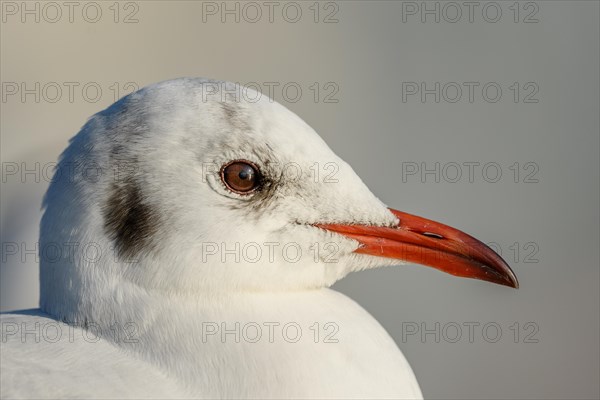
(367, 54)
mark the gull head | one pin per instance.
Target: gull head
(185, 187)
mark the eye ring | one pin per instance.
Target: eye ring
(241, 176)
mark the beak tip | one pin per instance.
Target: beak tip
(506, 275)
(509, 278)
(514, 281)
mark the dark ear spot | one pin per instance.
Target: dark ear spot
(128, 221)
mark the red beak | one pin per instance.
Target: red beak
(422, 241)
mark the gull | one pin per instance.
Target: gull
(190, 236)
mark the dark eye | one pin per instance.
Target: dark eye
(240, 176)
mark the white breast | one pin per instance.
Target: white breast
(306, 344)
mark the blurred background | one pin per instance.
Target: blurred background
(481, 115)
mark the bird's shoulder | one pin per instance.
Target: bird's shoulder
(46, 358)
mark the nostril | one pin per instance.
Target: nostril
(432, 235)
